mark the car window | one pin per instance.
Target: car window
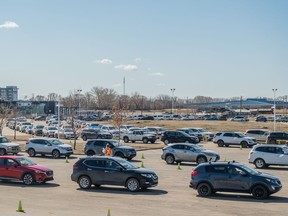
(10, 162)
(279, 150)
(2, 161)
(178, 146)
(99, 143)
(111, 164)
(232, 170)
(4, 140)
(95, 163)
(217, 169)
(228, 134)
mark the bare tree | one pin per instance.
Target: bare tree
(53, 97)
(119, 116)
(5, 113)
(103, 97)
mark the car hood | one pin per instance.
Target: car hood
(253, 138)
(10, 144)
(65, 146)
(266, 175)
(39, 168)
(210, 152)
(144, 170)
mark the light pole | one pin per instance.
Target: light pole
(274, 111)
(58, 128)
(172, 90)
(79, 92)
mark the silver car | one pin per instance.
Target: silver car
(187, 152)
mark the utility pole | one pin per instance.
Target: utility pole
(172, 104)
(274, 110)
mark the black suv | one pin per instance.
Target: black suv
(112, 171)
(208, 178)
(95, 134)
(277, 138)
(95, 147)
(178, 137)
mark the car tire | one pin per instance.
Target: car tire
(244, 144)
(201, 159)
(56, 154)
(84, 137)
(132, 184)
(204, 189)
(226, 145)
(259, 163)
(84, 182)
(220, 143)
(260, 192)
(119, 154)
(145, 140)
(2, 151)
(169, 159)
(153, 141)
(166, 142)
(31, 152)
(90, 153)
(126, 139)
(28, 179)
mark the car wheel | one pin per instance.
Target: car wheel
(97, 185)
(226, 145)
(56, 154)
(84, 137)
(145, 140)
(119, 154)
(244, 144)
(166, 141)
(90, 153)
(204, 189)
(153, 141)
(132, 184)
(28, 179)
(220, 143)
(169, 159)
(31, 152)
(126, 139)
(2, 151)
(133, 141)
(201, 159)
(84, 182)
(259, 192)
(259, 163)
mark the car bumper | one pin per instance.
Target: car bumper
(192, 185)
(12, 151)
(149, 183)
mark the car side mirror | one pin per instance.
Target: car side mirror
(119, 168)
(243, 173)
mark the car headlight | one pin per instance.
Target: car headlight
(63, 148)
(269, 180)
(9, 148)
(39, 172)
(147, 175)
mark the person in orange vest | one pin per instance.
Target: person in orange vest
(108, 150)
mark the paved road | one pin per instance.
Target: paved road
(171, 197)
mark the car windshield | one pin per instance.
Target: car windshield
(240, 134)
(111, 128)
(25, 162)
(4, 140)
(285, 149)
(198, 148)
(202, 130)
(117, 144)
(249, 170)
(40, 127)
(52, 128)
(126, 164)
(56, 142)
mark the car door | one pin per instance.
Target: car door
(114, 174)
(38, 145)
(2, 167)
(228, 138)
(47, 147)
(12, 169)
(281, 157)
(238, 179)
(189, 153)
(217, 175)
(95, 170)
(179, 152)
(99, 145)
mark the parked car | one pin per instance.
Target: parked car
(21, 169)
(95, 147)
(208, 178)
(209, 136)
(277, 138)
(95, 134)
(37, 130)
(112, 171)
(47, 146)
(49, 131)
(8, 147)
(111, 129)
(192, 133)
(188, 153)
(264, 155)
(139, 135)
(178, 137)
(261, 119)
(40, 118)
(158, 130)
(93, 126)
(28, 129)
(65, 134)
(233, 138)
(240, 119)
(258, 134)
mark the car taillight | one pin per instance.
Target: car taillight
(194, 173)
(75, 166)
(27, 142)
(251, 152)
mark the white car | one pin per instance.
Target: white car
(233, 138)
(267, 154)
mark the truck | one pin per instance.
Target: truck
(139, 135)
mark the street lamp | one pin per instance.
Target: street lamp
(172, 90)
(274, 91)
(58, 128)
(79, 92)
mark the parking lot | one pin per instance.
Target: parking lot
(171, 197)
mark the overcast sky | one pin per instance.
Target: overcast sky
(217, 48)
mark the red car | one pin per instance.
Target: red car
(20, 168)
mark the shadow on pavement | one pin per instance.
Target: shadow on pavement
(120, 190)
(21, 185)
(246, 198)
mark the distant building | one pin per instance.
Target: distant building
(10, 93)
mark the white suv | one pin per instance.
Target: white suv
(233, 138)
(264, 155)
